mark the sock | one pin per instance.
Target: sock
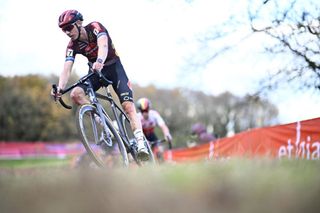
(138, 134)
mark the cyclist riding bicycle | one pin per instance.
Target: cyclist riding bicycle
(94, 42)
(150, 119)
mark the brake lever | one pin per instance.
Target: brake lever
(55, 90)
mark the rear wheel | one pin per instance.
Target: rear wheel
(104, 146)
(130, 137)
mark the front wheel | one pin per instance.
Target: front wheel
(102, 143)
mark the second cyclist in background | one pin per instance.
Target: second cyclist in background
(150, 119)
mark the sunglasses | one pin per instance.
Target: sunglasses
(68, 28)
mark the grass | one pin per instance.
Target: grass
(33, 162)
(237, 185)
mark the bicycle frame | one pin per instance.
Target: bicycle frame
(115, 108)
(93, 97)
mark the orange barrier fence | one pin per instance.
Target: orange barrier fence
(299, 140)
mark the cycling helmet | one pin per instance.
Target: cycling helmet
(198, 129)
(143, 104)
(69, 17)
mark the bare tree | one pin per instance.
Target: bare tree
(287, 31)
(294, 28)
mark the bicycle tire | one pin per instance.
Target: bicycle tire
(151, 158)
(90, 131)
(128, 134)
(130, 137)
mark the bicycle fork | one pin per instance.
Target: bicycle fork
(105, 134)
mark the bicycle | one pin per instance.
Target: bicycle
(96, 128)
(157, 149)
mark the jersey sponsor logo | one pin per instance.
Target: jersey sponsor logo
(126, 98)
(83, 45)
(95, 31)
(69, 52)
(90, 51)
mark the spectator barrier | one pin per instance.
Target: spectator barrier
(299, 140)
(21, 150)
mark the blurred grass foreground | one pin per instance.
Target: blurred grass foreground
(236, 185)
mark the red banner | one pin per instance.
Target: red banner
(20, 150)
(299, 140)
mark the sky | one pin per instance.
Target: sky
(154, 38)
